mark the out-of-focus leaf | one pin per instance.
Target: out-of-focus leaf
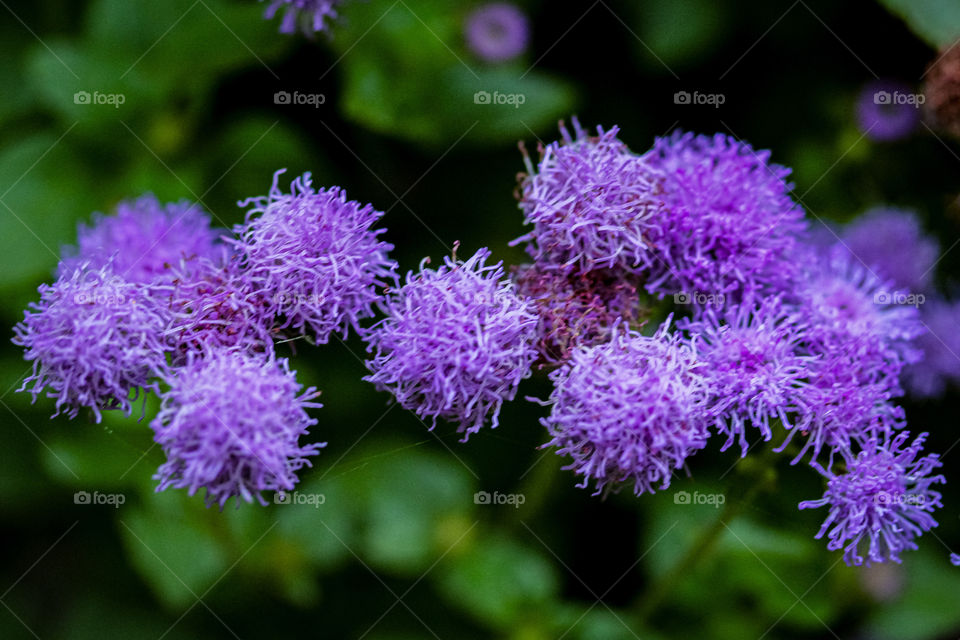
(678, 32)
(936, 21)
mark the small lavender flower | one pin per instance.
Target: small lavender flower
(940, 345)
(577, 309)
(211, 305)
(92, 338)
(955, 559)
(880, 116)
(313, 258)
(143, 238)
(497, 31)
(590, 201)
(310, 15)
(882, 502)
(892, 242)
(455, 344)
(231, 423)
(729, 224)
(631, 410)
(755, 369)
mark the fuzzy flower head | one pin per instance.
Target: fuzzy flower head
(942, 90)
(755, 371)
(313, 258)
(143, 239)
(631, 410)
(231, 424)
(92, 338)
(210, 305)
(310, 16)
(892, 243)
(729, 223)
(497, 32)
(882, 502)
(887, 110)
(577, 309)
(590, 201)
(940, 344)
(455, 343)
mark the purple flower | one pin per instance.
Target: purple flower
(755, 369)
(886, 110)
(92, 338)
(631, 410)
(729, 224)
(590, 201)
(955, 559)
(455, 344)
(892, 242)
(882, 501)
(577, 309)
(310, 15)
(231, 423)
(143, 238)
(211, 305)
(497, 31)
(940, 345)
(313, 258)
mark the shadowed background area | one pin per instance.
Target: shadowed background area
(104, 100)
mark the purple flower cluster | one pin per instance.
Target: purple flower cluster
(310, 16)
(455, 342)
(230, 443)
(153, 298)
(782, 337)
(497, 31)
(887, 111)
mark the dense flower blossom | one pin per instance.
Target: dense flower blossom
(577, 309)
(92, 338)
(231, 423)
(497, 31)
(630, 411)
(143, 239)
(213, 305)
(862, 339)
(729, 224)
(892, 243)
(887, 110)
(940, 345)
(755, 369)
(455, 343)
(309, 15)
(589, 200)
(313, 258)
(882, 501)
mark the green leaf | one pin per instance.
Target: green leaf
(936, 21)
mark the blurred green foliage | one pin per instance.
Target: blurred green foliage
(397, 547)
